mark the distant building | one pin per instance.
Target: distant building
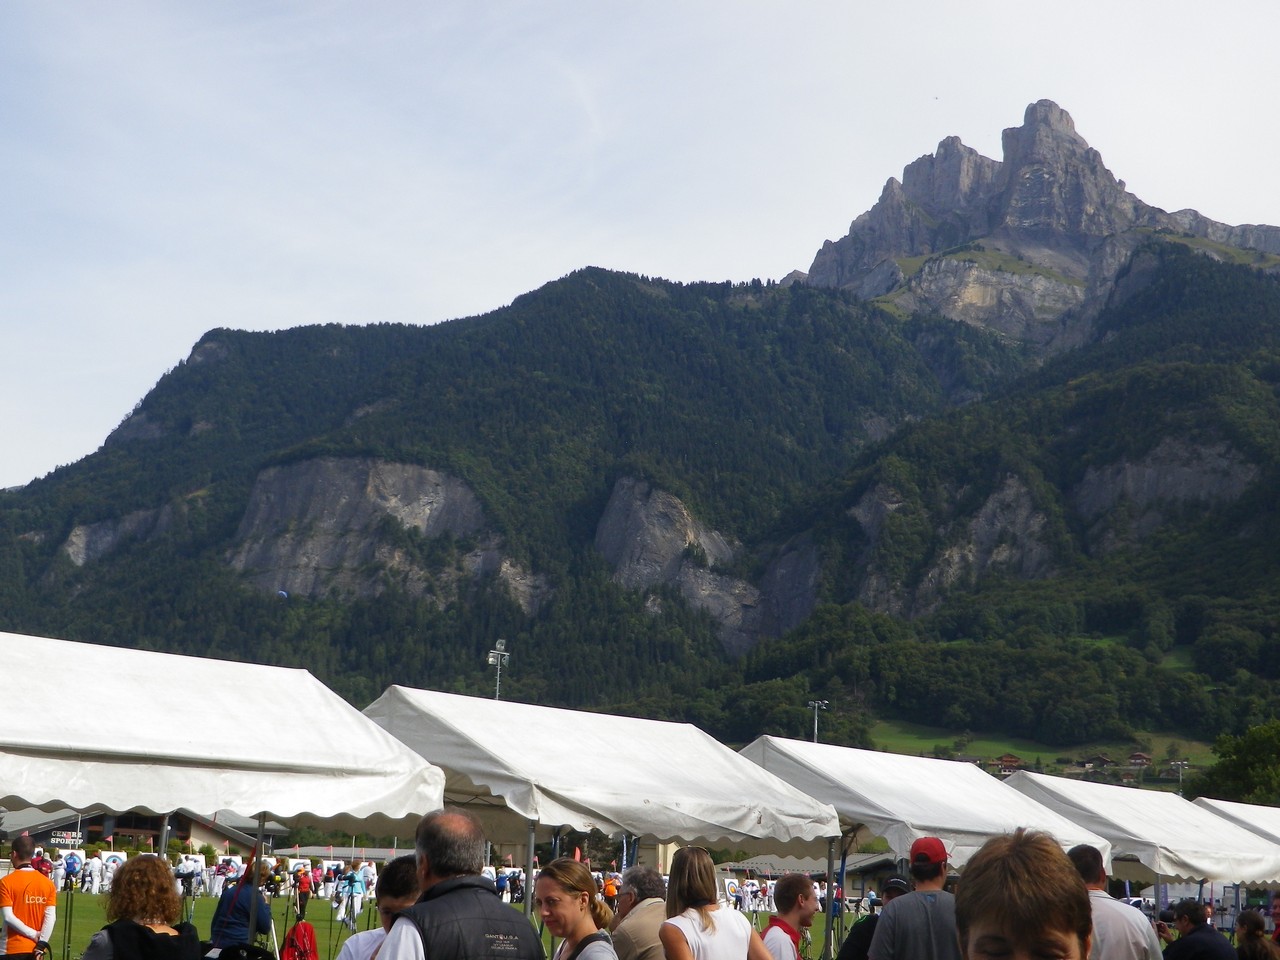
(1097, 762)
(1139, 760)
(1007, 764)
(68, 830)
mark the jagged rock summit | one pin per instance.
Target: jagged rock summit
(1029, 246)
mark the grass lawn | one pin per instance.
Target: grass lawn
(914, 739)
(87, 916)
(87, 913)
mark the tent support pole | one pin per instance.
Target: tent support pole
(528, 873)
(163, 848)
(250, 876)
(66, 923)
(831, 899)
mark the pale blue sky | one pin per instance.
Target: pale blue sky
(167, 168)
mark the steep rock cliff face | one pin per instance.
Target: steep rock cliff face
(1025, 306)
(648, 535)
(1004, 535)
(1118, 504)
(1127, 501)
(1029, 246)
(89, 542)
(651, 539)
(316, 529)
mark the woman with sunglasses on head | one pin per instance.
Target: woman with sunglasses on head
(568, 903)
(697, 926)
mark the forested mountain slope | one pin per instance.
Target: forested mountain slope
(715, 502)
(738, 399)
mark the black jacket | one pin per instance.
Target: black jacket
(1202, 943)
(463, 919)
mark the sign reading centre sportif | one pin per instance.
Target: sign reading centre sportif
(66, 838)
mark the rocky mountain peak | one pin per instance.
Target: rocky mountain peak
(1029, 246)
(1056, 184)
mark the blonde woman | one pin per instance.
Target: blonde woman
(697, 926)
(570, 906)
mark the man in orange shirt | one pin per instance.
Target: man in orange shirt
(28, 902)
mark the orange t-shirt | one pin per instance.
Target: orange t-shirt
(28, 892)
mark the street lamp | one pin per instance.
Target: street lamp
(498, 658)
(1181, 765)
(815, 706)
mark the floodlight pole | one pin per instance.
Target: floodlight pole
(1181, 765)
(498, 658)
(815, 706)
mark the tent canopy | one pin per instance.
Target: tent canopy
(1157, 834)
(513, 763)
(904, 798)
(1254, 817)
(259, 740)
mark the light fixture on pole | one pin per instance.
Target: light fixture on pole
(498, 658)
(815, 706)
(1180, 765)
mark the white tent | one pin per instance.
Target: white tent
(516, 764)
(1254, 817)
(1157, 834)
(155, 732)
(904, 798)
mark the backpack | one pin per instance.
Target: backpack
(300, 943)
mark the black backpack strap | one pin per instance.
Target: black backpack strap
(585, 941)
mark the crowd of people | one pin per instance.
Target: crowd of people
(1021, 897)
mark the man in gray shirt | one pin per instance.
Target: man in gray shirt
(920, 925)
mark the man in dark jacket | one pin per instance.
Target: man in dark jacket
(459, 915)
(858, 943)
(1197, 940)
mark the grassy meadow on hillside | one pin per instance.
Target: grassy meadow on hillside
(920, 740)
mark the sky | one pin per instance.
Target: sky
(170, 168)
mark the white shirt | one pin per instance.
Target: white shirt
(362, 946)
(728, 941)
(404, 942)
(1120, 932)
(779, 943)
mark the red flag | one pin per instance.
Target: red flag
(109, 838)
(577, 853)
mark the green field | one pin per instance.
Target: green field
(87, 916)
(915, 739)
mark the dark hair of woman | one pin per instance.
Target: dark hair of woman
(1252, 942)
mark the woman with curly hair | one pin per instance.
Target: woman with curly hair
(143, 908)
(1252, 942)
(697, 926)
(571, 907)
